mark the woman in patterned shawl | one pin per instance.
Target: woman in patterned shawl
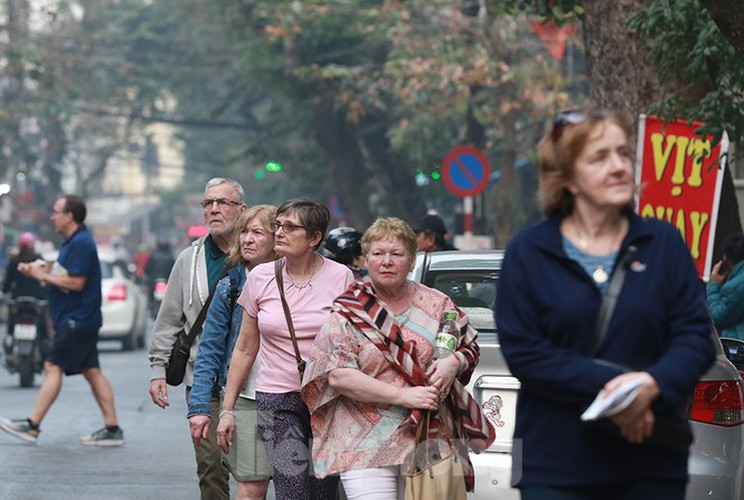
(372, 372)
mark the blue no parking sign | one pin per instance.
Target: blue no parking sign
(465, 171)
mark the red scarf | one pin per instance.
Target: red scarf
(361, 306)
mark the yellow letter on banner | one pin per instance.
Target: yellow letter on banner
(661, 157)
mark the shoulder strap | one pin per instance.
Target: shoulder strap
(610, 300)
(288, 316)
(234, 276)
(199, 321)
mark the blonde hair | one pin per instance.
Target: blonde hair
(389, 228)
(266, 215)
(557, 153)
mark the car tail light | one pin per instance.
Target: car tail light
(160, 286)
(718, 402)
(117, 292)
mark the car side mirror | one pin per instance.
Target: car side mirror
(734, 349)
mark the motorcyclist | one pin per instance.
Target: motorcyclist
(344, 245)
(16, 284)
(159, 264)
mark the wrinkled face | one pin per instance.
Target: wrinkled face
(256, 242)
(603, 172)
(291, 237)
(221, 215)
(388, 263)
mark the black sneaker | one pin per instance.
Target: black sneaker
(20, 429)
(104, 437)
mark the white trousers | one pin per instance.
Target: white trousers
(385, 483)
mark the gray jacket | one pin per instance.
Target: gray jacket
(185, 295)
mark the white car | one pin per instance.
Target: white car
(716, 463)
(124, 305)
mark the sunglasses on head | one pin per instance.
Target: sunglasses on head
(571, 117)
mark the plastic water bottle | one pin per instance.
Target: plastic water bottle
(447, 336)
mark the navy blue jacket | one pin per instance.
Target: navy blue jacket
(545, 313)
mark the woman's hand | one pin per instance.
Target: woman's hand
(719, 273)
(199, 425)
(418, 397)
(226, 431)
(442, 373)
(636, 422)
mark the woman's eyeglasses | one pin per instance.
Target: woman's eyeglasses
(571, 117)
(287, 227)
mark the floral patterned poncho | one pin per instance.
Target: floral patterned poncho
(362, 334)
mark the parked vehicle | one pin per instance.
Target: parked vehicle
(124, 305)
(716, 463)
(27, 341)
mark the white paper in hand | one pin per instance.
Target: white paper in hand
(606, 405)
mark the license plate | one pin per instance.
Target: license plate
(24, 332)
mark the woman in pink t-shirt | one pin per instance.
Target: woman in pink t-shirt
(311, 283)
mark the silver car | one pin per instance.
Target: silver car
(716, 462)
(124, 305)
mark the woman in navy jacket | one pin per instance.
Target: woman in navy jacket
(552, 282)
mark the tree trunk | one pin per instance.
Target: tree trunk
(729, 17)
(402, 198)
(505, 196)
(338, 138)
(621, 78)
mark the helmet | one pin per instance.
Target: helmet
(342, 244)
(27, 240)
(163, 244)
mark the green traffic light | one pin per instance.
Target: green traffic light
(273, 166)
(435, 175)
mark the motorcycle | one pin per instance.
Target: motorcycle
(158, 293)
(28, 339)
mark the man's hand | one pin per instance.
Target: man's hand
(159, 392)
(199, 425)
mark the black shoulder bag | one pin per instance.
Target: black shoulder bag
(181, 351)
(671, 428)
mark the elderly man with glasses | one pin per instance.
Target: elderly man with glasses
(194, 276)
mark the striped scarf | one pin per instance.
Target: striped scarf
(361, 306)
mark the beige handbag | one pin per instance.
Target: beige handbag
(427, 479)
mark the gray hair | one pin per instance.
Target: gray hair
(216, 181)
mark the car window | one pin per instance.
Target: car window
(475, 293)
(107, 270)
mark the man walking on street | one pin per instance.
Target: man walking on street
(194, 275)
(74, 283)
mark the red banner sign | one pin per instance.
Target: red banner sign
(680, 175)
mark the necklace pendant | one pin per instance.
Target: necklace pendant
(599, 275)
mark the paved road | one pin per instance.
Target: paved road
(156, 461)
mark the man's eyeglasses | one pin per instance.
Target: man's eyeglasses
(221, 203)
(287, 227)
(57, 212)
(571, 117)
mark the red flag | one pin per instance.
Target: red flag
(554, 37)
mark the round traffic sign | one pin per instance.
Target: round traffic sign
(465, 171)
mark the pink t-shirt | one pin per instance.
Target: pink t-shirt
(310, 306)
